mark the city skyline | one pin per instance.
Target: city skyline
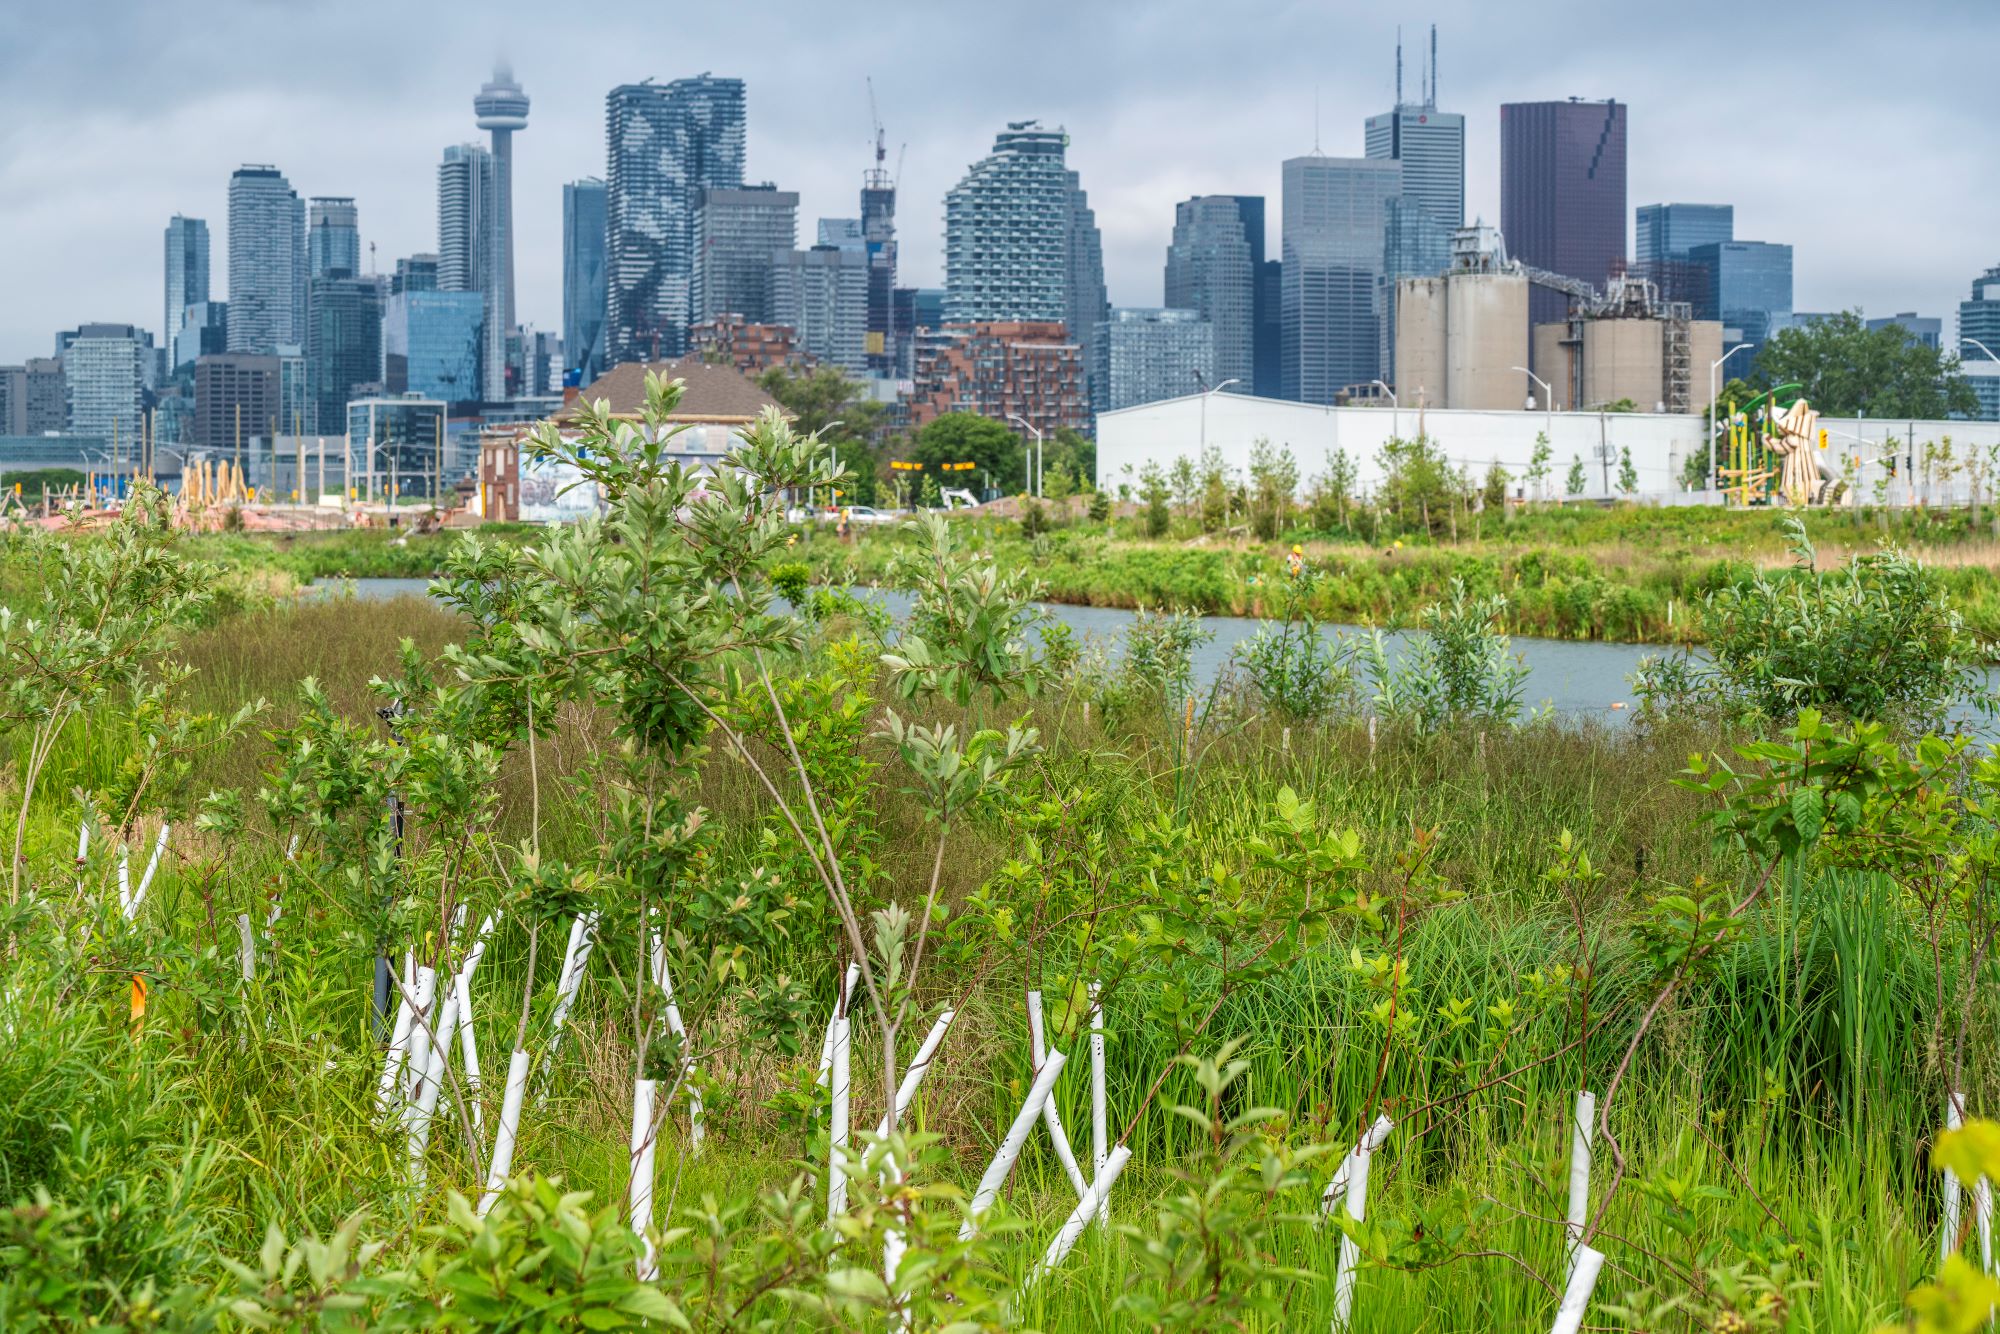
(1169, 116)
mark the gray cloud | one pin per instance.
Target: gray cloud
(1854, 131)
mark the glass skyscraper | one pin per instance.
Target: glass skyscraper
(465, 182)
(431, 344)
(1669, 231)
(740, 238)
(1431, 146)
(343, 348)
(663, 145)
(204, 332)
(333, 238)
(1749, 288)
(1978, 331)
(267, 261)
(187, 273)
(1211, 271)
(1268, 340)
(1562, 193)
(878, 234)
(822, 294)
(1148, 355)
(1006, 231)
(1089, 299)
(583, 278)
(1664, 235)
(1021, 241)
(104, 372)
(1333, 232)
(415, 273)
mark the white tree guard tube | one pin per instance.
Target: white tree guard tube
(152, 865)
(664, 979)
(125, 881)
(1954, 1116)
(469, 1051)
(424, 1110)
(1583, 1269)
(82, 840)
(415, 994)
(423, 1022)
(1011, 1144)
(644, 1140)
(510, 1126)
(399, 1036)
(478, 949)
(1580, 1131)
(1353, 1176)
(826, 1044)
(576, 956)
(1098, 1149)
(1086, 1209)
(1050, 1117)
(913, 1074)
(468, 1043)
(836, 1140)
(246, 948)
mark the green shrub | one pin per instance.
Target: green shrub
(1876, 640)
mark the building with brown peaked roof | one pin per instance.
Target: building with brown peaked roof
(1001, 369)
(717, 403)
(711, 394)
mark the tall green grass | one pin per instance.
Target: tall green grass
(1795, 1089)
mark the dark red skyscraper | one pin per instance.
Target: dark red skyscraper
(1562, 192)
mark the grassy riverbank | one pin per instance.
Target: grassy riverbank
(1624, 576)
(1627, 574)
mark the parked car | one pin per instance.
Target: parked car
(868, 514)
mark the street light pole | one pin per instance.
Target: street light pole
(1030, 426)
(1713, 367)
(1395, 409)
(1203, 447)
(1549, 427)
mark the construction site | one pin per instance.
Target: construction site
(1463, 339)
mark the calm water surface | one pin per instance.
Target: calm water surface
(1574, 678)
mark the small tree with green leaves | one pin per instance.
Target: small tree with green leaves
(1274, 481)
(1153, 493)
(1577, 479)
(1539, 464)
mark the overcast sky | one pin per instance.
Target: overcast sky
(1864, 134)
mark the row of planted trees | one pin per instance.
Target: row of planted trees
(651, 651)
(1421, 491)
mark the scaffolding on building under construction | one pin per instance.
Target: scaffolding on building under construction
(1625, 297)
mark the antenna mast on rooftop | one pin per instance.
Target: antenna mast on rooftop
(1399, 64)
(1431, 98)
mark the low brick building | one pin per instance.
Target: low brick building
(1001, 369)
(750, 348)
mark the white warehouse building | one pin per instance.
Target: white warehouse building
(1130, 438)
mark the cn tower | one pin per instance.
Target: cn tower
(502, 108)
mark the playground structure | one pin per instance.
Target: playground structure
(215, 494)
(1775, 457)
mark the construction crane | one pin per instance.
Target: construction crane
(878, 178)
